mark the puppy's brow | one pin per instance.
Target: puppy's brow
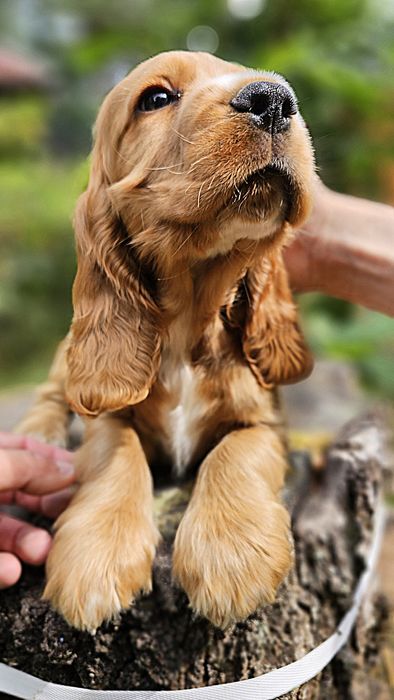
(156, 81)
(226, 80)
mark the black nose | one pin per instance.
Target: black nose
(270, 104)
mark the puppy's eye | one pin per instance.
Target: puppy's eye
(156, 98)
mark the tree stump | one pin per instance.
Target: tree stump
(160, 645)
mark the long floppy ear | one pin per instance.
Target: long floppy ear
(114, 351)
(273, 343)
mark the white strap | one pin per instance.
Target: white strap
(266, 687)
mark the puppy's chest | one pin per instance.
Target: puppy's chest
(184, 412)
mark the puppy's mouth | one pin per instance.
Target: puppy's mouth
(266, 191)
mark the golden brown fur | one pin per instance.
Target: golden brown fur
(183, 324)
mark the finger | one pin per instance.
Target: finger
(7, 497)
(33, 473)
(55, 503)
(50, 505)
(42, 448)
(31, 544)
(25, 442)
(11, 441)
(28, 501)
(10, 569)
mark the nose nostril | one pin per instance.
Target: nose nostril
(260, 104)
(288, 108)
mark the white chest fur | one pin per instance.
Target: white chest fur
(184, 419)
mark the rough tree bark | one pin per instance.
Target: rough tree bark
(159, 644)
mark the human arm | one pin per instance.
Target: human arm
(345, 250)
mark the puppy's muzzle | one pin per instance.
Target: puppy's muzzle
(270, 105)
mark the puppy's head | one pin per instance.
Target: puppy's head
(208, 146)
(191, 155)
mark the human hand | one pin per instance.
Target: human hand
(37, 477)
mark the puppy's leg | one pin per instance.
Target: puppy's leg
(233, 546)
(105, 541)
(49, 416)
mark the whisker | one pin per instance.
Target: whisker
(254, 251)
(126, 160)
(211, 182)
(199, 194)
(181, 136)
(196, 162)
(173, 172)
(165, 167)
(245, 286)
(178, 274)
(185, 173)
(183, 243)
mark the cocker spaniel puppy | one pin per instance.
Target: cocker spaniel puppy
(183, 325)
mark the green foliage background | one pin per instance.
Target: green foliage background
(339, 56)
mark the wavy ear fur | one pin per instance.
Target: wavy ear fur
(114, 352)
(273, 343)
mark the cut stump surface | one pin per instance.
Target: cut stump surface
(160, 645)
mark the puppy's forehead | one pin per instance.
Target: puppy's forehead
(182, 68)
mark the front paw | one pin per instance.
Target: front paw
(230, 567)
(93, 573)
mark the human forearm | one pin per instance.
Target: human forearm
(346, 250)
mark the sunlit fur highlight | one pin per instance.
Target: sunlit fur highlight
(183, 326)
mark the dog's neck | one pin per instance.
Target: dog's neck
(200, 269)
(193, 298)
